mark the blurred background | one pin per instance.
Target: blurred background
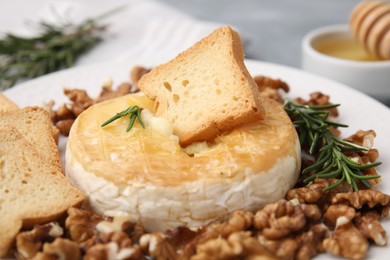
(144, 30)
(273, 28)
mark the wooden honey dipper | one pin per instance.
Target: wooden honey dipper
(370, 25)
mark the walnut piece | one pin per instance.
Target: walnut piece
(157, 246)
(80, 100)
(312, 212)
(310, 242)
(114, 245)
(28, 243)
(112, 238)
(314, 193)
(239, 221)
(369, 224)
(318, 99)
(363, 138)
(120, 221)
(268, 82)
(133, 230)
(280, 219)
(289, 229)
(118, 237)
(339, 210)
(44, 256)
(112, 251)
(283, 248)
(309, 194)
(270, 87)
(114, 222)
(194, 238)
(346, 241)
(361, 198)
(59, 249)
(64, 126)
(81, 224)
(303, 246)
(108, 93)
(185, 240)
(63, 113)
(239, 245)
(136, 73)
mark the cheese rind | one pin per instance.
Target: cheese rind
(149, 176)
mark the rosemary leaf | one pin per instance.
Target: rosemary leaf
(133, 112)
(313, 128)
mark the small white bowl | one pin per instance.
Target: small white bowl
(370, 77)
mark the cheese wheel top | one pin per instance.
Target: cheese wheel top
(149, 156)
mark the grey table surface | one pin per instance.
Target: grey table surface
(274, 28)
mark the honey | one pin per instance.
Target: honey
(343, 48)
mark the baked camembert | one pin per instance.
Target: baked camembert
(149, 175)
(146, 173)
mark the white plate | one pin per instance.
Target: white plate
(357, 110)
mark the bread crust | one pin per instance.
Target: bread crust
(34, 123)
(223, 53)
(32, 190)
(6, 104)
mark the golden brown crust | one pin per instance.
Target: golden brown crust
(6, 104)
(267, 140)
(35, 125)
(221, 56)
(36, 192)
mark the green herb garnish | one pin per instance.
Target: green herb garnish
(314, 132)
(133, 112)
(56, 47)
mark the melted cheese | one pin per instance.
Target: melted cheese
(146, 173)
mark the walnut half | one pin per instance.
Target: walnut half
(81, 224)
(369, 224)
(61, 248)
(29, 243)
(279, 220)
(238, 245)
(346, 241)
(114, 245)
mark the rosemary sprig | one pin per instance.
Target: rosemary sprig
(133, 112)
(56, 47)
(313, 127)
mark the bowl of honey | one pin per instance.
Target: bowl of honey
(333, 52)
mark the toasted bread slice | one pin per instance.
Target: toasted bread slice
(35, 125)
(205, 90)
(6, 104)
(31, 190)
